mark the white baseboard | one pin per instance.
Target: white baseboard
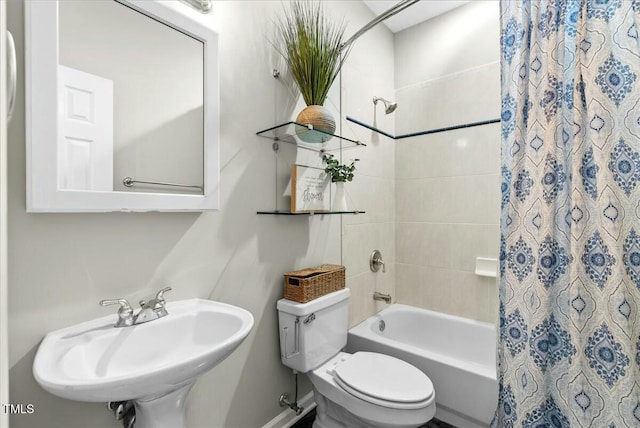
(288, 417)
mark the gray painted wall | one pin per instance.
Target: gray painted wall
(4, 352)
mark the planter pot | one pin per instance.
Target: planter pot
(318, 117)
(340, 200)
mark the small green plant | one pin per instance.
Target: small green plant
(338, 172)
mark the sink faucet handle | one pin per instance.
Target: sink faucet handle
(153, 309)
(157, 301)
(124, 304)
(125, 313)
(160, 295)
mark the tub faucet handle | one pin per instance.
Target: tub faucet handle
(375, 261)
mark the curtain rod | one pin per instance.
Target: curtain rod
(378, 19)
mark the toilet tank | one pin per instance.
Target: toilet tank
(313, 332)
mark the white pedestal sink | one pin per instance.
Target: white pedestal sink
(154, 364)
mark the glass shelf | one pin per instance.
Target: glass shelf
(308, 138)
(310, 213)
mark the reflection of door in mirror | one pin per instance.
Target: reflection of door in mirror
(158, 80)
(85, 131)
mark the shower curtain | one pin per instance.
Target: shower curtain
(569, 339)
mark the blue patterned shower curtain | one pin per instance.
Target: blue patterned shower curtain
(569, 349)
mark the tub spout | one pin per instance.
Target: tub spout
(380, 296)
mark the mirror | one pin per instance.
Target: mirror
(122, 107)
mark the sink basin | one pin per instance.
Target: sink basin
(94, 361)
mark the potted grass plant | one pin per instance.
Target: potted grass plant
(312, 47)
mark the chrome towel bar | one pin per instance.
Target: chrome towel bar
(129, 182)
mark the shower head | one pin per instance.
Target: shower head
(389, 107)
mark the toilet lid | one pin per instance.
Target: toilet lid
(383, 377)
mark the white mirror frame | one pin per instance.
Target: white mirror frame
(41, 64)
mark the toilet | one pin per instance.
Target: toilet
(360, 390)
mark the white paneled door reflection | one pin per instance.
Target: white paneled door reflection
(85, 127)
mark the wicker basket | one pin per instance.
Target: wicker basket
(308, 284)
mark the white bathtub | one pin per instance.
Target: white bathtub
(456, 353)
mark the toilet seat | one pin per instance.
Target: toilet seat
(369, 412)
(383, 380)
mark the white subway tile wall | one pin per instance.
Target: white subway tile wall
(431, 202)
(373, 188)
(447, 195)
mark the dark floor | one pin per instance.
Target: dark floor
(437, 423)
(307, 422)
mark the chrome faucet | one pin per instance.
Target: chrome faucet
(153, 309)
(380, 296)
(125, 313)
(149, 311)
